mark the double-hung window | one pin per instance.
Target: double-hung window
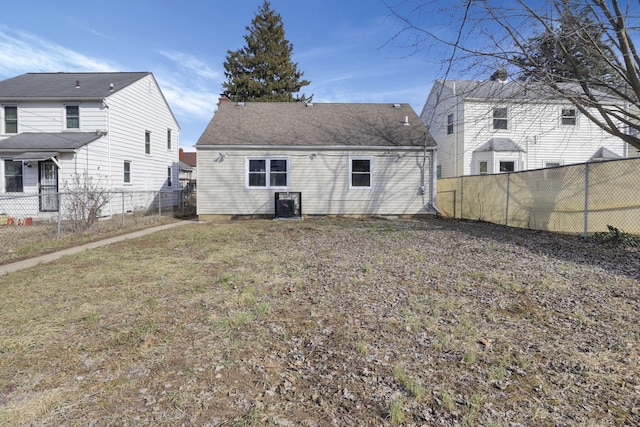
(73, 116)
(267, 172)
(168, 139)
(500, 118)
(147, 142)
(360, 172)
(127, 172)
(12, 177)
(568, 116)
(11, 119)
(169, 177)
(450, 124)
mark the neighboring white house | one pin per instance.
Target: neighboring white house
(292, 159)
(116, 128)
(484, 127)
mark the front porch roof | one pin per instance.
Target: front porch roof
(36, 156)
(48, 142)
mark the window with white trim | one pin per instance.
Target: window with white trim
(450, 124)
(500, 118)
(169, 177)
(11, 119)
(147, 142)
(127, 172)
(507, 166)
(568, 116)
(484, 167)
(13, 177)
(267, 172)
(73, 116)
(168, 139)
(360, 172)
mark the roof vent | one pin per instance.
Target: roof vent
(110, 87)
(406, 121)
(309, 105)
(396, 105)
(77, 84)
(240, 104)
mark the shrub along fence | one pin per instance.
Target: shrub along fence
(579, 199)
(60, 213)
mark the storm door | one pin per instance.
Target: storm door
(48, 188)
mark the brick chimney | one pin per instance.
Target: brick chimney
(181, 154)
(223, 98)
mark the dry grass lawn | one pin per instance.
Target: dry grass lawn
(326, 322)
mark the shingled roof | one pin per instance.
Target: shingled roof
(44, 141)
(299, 124)
(63, 86)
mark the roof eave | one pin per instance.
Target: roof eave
(312, 147)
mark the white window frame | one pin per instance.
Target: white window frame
(4, 119)
(125, 173)
(558, 163)
(574, 116)
(267, 160)
(66, 117)
(515, 165)
(371, 171)
(169, 176)
(480, 162)
(450, 124)
(147, 142)
(169, 139)
(505, 119)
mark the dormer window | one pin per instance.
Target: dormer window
(73, 117)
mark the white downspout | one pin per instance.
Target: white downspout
(108, 130)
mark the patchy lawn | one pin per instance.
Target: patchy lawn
(326, 322)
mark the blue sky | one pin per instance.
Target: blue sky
(344, 48)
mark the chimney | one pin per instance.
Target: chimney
(181, 154)
(223, 98)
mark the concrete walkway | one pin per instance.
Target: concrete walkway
(43, 259)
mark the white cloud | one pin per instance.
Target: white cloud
(191, 63)
(22, 52)
(189, 103)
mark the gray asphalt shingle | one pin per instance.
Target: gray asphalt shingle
(318, 124)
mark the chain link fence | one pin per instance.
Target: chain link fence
(578, 199)
(54, 215)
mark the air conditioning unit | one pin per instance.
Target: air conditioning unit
(288, 205)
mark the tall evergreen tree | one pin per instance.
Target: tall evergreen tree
(262, 70)
(571, 51)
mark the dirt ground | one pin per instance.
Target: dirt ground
(326, 322)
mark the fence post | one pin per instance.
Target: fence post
(506, 214)
(159, 203)
(123, 209)
(60, 214)
(461, 197)
(586, 200)
(454, 204)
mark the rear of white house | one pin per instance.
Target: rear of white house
(485, 127)
(297, 159)
(115, 129)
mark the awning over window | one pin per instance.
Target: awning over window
(499, 144)
(35, 156)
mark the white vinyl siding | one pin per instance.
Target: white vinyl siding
(321, 176)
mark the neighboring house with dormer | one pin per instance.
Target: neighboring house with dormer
(115, 128)
(292, 159)
(485, 127)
